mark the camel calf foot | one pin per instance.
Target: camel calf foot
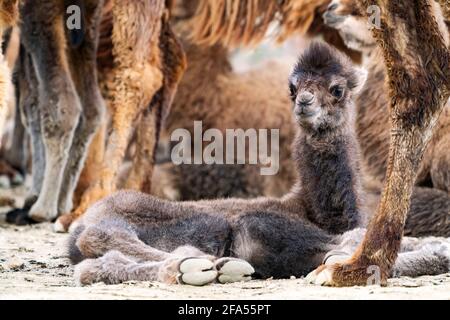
(196, 272)
(108, 269)
(202, 271)
(233, 270)
(114, 267)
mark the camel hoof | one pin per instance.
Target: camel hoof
(196, 272)
(233, 270)
(19, 217)
(322, 276)
(40, 213)
(64, 224)
(58, 227)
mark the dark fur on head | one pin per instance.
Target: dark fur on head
(322, 86)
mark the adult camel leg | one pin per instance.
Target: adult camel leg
(90, 174)
(440, 165)
(93, 163)
(84, 72)
(28, 105)
(44, 38)
(415, 45)
(143, 161)
(136, 79)
(417, 256)
(174, 65)
(16, 155)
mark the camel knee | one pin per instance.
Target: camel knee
(59, 105)
(96, 240)
(59, 124)
(92, 241)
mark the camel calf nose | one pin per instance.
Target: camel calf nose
(305, 98)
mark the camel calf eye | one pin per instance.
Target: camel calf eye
(337, 91)
(292, 91)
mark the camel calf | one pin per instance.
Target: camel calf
(134, 236)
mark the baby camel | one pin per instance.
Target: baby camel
(133, 236)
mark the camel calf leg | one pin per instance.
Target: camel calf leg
(117, 255)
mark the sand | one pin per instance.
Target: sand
(34, 265)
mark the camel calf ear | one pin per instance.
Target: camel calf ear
(361, 78)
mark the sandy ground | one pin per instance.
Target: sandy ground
(34, 265)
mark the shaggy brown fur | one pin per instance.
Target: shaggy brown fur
(373, 103)
(142, 87)
(14, 147)
(133, 236)
(235, 23)
(9, 14)
(416, 49)
(373, 114)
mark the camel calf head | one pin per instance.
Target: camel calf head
(322, 86)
